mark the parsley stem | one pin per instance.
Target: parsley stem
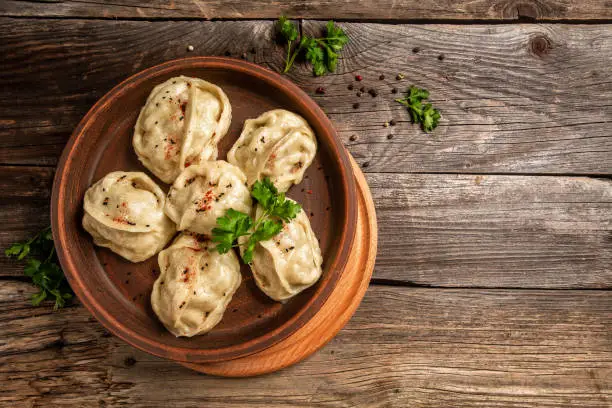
(288, 56)
(290, 61)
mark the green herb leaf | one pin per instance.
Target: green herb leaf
(266, 230)
(427, 115)
(274, 203)
(230, 227)
(42, 267)
(431, 117)
(335, 38)
(287, 29)
(264, 192)
(322, 53)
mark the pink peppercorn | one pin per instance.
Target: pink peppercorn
(358, 78)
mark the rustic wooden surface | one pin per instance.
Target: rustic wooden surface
(492, 284)
(413, 10)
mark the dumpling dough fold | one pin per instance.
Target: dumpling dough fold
(278, 144)
(288, 263)
(195, 285)
(202, 193)
(180, 125)
(124, 211)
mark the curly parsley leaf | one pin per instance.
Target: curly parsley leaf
(274, 203)
(42, 267)
(431, 118)
(335, 36)
(287, 29)
(427, 115)
(235, 224)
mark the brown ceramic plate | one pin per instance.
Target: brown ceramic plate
(117, 292)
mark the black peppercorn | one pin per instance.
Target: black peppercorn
(350, 87)
(356, 105)
(353, 138)
(381, 77)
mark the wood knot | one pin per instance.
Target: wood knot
(540, 45)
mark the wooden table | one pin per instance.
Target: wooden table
(492, 284)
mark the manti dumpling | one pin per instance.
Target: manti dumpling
(202, 193)
(195, 285)
(124, 212)
(289, 262)
(278, 144)
(180, 125)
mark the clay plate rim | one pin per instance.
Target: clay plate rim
(333, 269)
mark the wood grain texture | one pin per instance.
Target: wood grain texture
(504, 10)
(434, 229)
(404, 347)
(514, 98)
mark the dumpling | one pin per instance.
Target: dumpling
(202, 193)
(289, 262)
(124, 212)
(195, 285)
(278, 144)
(180, 125)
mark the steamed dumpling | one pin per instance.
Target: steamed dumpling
(124, 212)
(278, 144)
(202, 193)
(195, 285)
(180, 125)
(289, 262)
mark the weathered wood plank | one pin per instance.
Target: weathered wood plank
(404, 347)
(434, 229)
(508, 10)
(514, 98)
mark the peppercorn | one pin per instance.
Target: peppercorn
(373, 92)
(389, 136)
(350, 87)
(358, 94)
(392, 122)
(320, 90)
(358, 78)
(416, 49)
(381, 77)
(366, 164)
(394, 90)
(353, 138)
(362, 89)
(356, 105)
(441, 57)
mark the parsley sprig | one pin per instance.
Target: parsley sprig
(426, 115)
(43, 268)
(322, 52)
(235, 224)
